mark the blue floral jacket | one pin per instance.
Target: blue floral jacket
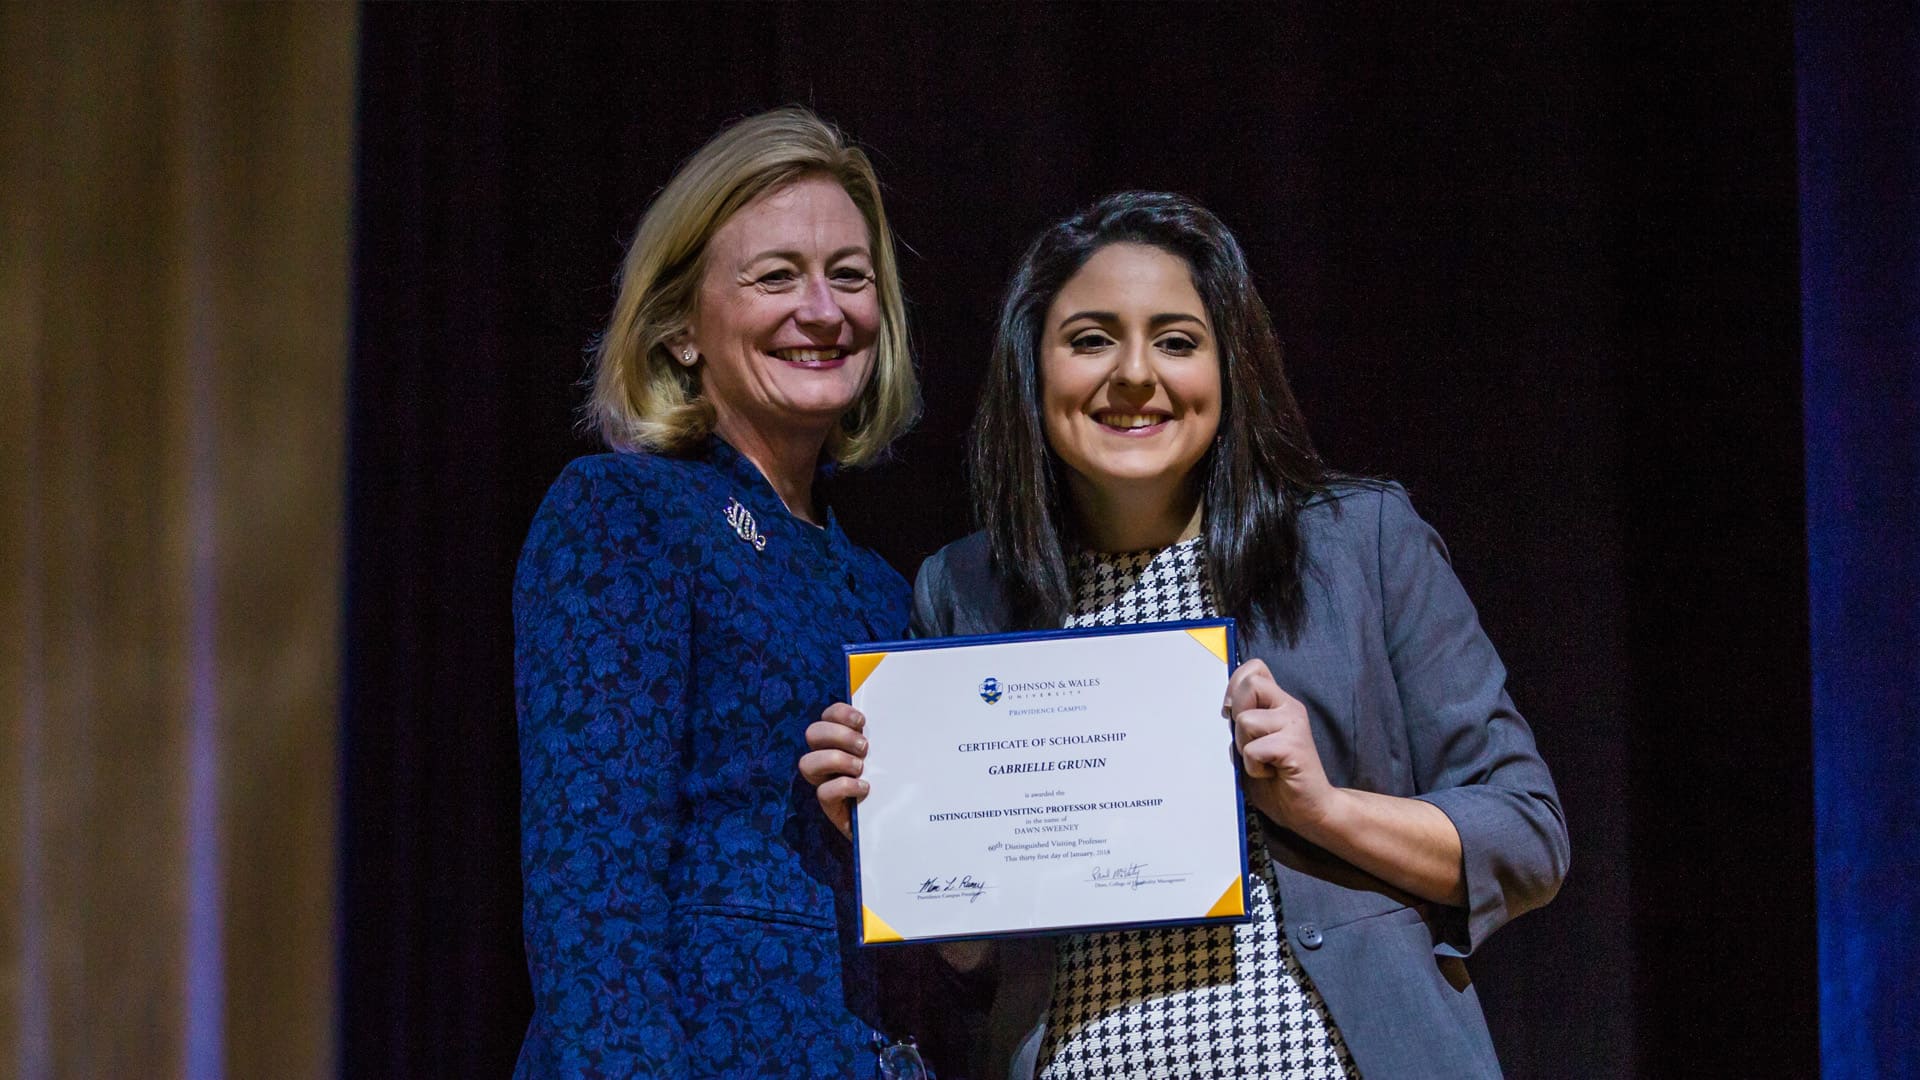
(676, 629)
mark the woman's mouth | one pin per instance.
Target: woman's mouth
(830, 356)
(1126, 423)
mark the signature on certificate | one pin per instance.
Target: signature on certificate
(1131, 876)
(959, 885)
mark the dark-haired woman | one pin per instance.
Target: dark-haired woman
(1139, 457)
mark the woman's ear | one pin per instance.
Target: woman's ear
(682, 348)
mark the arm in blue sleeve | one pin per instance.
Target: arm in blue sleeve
(1473, 755)
(602, 646)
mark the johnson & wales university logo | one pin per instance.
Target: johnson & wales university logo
(990, 690)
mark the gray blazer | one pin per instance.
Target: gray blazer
(1406, 697)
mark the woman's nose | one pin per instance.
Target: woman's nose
(819, 307)
(1133, 367)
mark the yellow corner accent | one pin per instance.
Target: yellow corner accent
(874, 929)
(859, 666)
(1231, 902)
(1214, 638)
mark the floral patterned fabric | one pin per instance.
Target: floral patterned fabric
(676, 630)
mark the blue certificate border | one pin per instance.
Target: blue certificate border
(965, 640)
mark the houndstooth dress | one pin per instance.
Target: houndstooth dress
(1196, 1001)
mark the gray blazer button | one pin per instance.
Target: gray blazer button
(1309, 935)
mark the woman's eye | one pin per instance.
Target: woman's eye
(773, 278)
(1090, 340)
(1178, 345)
(851, 277)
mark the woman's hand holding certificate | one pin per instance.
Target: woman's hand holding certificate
(1038, 782)
(1286, 780)
(836, 755)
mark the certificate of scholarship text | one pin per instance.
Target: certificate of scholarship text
(1048, 782)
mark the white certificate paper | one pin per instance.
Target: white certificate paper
(1036, 783)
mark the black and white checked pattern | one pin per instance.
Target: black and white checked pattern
(1162, 585)
(1194, 1001)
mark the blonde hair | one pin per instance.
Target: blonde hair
(642, 399)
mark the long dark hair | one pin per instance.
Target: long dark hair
(1260, 470)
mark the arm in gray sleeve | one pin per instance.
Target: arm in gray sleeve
(1473, 755)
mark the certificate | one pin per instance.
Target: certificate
(1047, 782)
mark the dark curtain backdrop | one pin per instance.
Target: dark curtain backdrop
(1859, 92)
(1537, 261)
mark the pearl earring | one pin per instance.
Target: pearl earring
(686, 358)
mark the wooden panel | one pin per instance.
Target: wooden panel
(175, 342)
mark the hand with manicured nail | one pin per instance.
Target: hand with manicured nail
(836, 755)
(1404, 842)
(1286, 780)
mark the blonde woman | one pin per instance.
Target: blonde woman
(678, 613)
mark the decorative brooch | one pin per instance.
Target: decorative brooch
(741, 519)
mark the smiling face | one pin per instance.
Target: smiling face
(787, 315)
(1130, 382)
